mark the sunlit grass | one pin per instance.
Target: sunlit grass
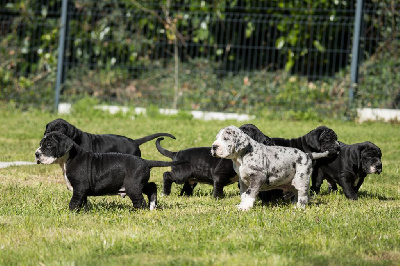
(36, 226)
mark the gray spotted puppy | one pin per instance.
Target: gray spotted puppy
(262, 168)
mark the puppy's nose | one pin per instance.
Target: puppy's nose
(379, 168)
(37, 154)
(214, 147)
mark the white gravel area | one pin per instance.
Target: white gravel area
(7, 164)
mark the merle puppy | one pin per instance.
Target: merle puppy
(96, 174)
(348, 168)
(322, 139)
(202, 168)
(263, 168)
(100, 143)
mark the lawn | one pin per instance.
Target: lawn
(36, 226)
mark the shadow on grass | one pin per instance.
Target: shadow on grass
(205, 190)
(372, 195)
(103, 205)
(360, 194)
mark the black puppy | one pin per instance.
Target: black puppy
(100, 143)
(255, 133)
(202, 168)
(97, 174)
(320, 139)
(348, 168)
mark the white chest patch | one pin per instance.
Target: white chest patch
(62, 162)
(69, 186)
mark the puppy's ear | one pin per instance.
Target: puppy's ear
(313, 138)
(327, 134)
(253, 132)
(64, 145)
(45, 131)
(356, 155)
(242, 142)
(372, 147)
(378, 150)
(70, 130)
(249, 130)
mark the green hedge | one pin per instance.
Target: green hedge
(28, 63)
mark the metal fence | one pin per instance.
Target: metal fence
(214, 55)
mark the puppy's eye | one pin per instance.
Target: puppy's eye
(225, 138)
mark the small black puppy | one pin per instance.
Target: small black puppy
(320, 139)
(202, 168)
(97, 174)
(100, 143)
(349, 168)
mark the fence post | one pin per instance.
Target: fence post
(355, 51)
(61, 50)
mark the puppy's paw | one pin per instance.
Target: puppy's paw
(301, 205)
(152, 206)
(246, 204)
(243, 208)
(302, 202)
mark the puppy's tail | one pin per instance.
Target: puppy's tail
(318, 155)
(153, 136)
(152, 164)
(163, 151)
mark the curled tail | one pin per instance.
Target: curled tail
(318, 155)
(153, 136)
(152, 164)
(163, 151)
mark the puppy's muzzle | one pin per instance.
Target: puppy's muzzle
(333, 149)
(37, 156)
(214, 148)
(378, 168)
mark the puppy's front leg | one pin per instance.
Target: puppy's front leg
(358, 185)
(218, 188)
(317, 177)
(249, 196)
(78, 198)
(347, 186)
(242, 186)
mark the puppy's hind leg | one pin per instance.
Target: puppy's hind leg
(134, 192)
(138, 202)
(187, 189)
(167, 183)
(301, 182)
(150, 189)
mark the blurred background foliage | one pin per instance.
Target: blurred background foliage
(251, 56)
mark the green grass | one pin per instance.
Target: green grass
(36, 226)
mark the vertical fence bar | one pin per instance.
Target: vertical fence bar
(355, 51)
(61, 50)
